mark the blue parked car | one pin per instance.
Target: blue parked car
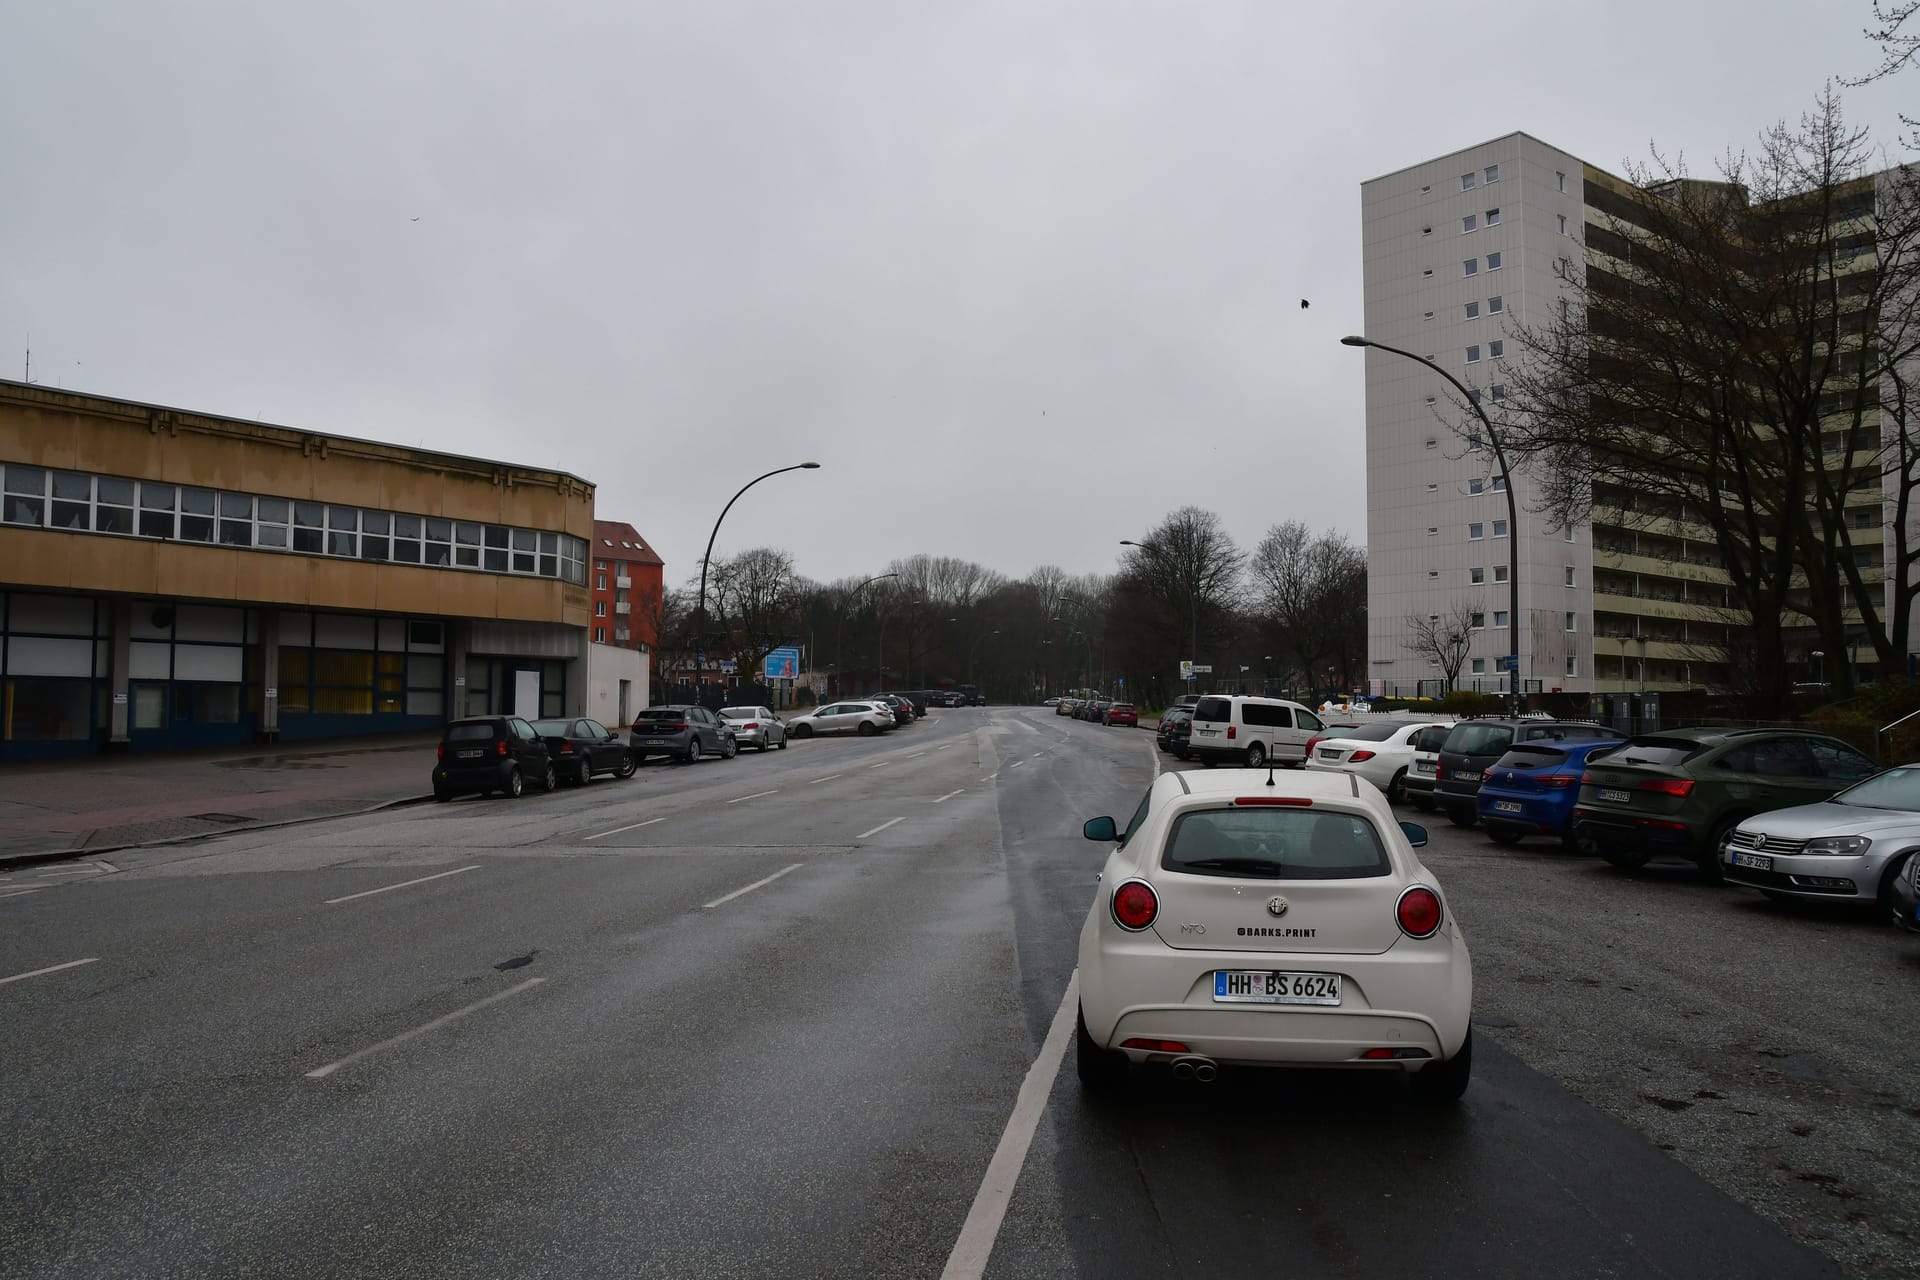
(1532, 789)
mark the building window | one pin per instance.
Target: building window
(1479, 666)
(1499, 617)
(1499, 573)
(1426, 231)
(1471, 266)
(1493, 262)
(1473, 355)
(1563, 223)
(1561, 266)
(1499, 391)
(1433, 573)
(599, 608)
(1560, 180)
(1474, 443)
(1499, 484)
(1426, 189)
(1496, 304)
(1473, 311)
(1473, 395)
(1493, 173)
(1570, 575)
(1466, 182)
(599, 582)
(1497, 349)
(1432, 442)
(1568, 533)
(1427, 272)
(1476, 531)
(599, 635)
(1476, 485)
(1433, 531)
(1469, 223)
(1432, 487)
(1493, 217)
(1476, 575)
(1573, 665)
(1570, 625)
(1499, 528)
(600, 564)
(1478, 622)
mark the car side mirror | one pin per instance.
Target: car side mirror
(1100, 829)
(1415, 833)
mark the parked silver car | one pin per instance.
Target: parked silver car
(755, 727)
(864, 718)
(1850, 848)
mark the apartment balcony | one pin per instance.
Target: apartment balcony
(623, 607)
(621, 635)
(623, 583)
(1644, 606)
(1690, 569)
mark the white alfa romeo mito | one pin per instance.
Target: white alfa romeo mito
(1249, 920)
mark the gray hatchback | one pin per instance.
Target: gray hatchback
(680, 732)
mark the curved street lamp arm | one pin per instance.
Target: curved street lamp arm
(707, 559)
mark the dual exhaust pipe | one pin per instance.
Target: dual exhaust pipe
(1198, 1070)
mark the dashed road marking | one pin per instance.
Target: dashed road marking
(636, 826)
(877, 830)
(755, 796)
(320, 1073)
(950, 795)
(52, 968)
(757, 884)
(389, 888)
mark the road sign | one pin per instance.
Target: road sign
(1200, 669)
(1510, 663)
(783, 664)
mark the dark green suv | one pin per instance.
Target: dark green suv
(1681, 791)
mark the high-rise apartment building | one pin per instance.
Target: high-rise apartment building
(1459, 251)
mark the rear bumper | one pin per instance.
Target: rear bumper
(1456, 795)
(487, 777)
(671, 744)
(1207, 751)
(1658, 835)
(1535, 815)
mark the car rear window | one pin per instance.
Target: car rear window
(552, 728)
(1368, 732)
(1213, 709)
(1275, 844)
(1121, 706)
(484, 731)
(1531, 755)
(739, 713)
(662, 713)
(1662, 752)
(1480, 739)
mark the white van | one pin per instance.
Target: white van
(1251, 731)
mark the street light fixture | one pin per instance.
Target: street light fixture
(1193, 610)
(840, 638)
(1506, 483)
(700, 609)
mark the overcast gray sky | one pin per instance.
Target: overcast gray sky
(1021, 276)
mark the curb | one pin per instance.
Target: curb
(11, 860)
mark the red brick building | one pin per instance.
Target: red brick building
(626, 578)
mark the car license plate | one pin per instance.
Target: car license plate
(1207, 733)
(1423, 766)
(1615, 797)
(656, 742)
(1758, 861)
(1507, 806)
(470, 755)
(1263, 986)
(1329, 753)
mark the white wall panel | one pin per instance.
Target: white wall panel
(203, 622)
(33, 656)
(342, 631)
(148, 661)
(55, 615)
(208, 662)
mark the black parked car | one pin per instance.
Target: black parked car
(903, 712)
(485, 754)
(684, 732)
(1475, 746)
(582, 748)
(1176, 726)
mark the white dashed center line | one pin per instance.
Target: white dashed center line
(320, 1073)
(52, 968)
(950, 795)
(877, 830)
(755, 796)
(829, 778)
(757, 884)
(617, 830)
(389, 888)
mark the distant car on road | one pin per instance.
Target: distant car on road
(903, 712)
(683, 732)
(1251, 731)
(1239, 924)
(1065, 706)
(1380, 752)
(1051, 702)
(756, 727)
(1175, 724)
(581, 748)
(864, 718)
(1852, 848)
(1121, 713)
(1682, 792)
(486, 754)
(1532, 789)
(1475, 746)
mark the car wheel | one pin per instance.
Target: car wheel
(1504, 835)
(866, 729)
(1442, 1083)
(729, 749)
(515, 783)
(802, 731)
(1625, 859)
(1423, 803)
(1100, 1070)
(441, 795)
(1709, 859)
(628, 763)
(1256, 756)
(1461, 817)
(782, 744)
(693, 751)
(1397, 788)
(549, 780)
(582, 773)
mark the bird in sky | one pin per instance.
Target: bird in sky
(416, 220)
(1303, 302)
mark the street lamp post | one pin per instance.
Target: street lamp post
(700, 610)
(1193, 609)
(840, 637)
(1506, 482)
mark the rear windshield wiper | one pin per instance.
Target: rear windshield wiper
(1252, 866)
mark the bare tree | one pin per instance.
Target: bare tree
(1313, 591)
(1189, 565)
(1444, 639)
(756, 597)
(1898, 50)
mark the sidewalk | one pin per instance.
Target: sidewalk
(98, 803)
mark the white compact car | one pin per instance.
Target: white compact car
(1381, 752)
(1249, 919)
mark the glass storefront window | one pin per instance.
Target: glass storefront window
(34, 710)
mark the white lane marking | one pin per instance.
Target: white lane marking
(52, 968)
(974, 1247)
(635, 827)
(755, 796)
(320, 1073)
(21, 893)
(402, 885)
(990, 777)
(74, 871)
(757, 884)
(1154, 752)
(829, 778)
(883, 764)
(950, 795)
(944, 747)
(877, 830)
(915, 756)
(1016, 764)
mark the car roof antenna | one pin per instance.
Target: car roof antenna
(1269, 770)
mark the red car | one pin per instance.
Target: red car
(1122, 713)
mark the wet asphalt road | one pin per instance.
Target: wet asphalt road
(781, 1034)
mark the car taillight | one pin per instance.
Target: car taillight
(499, 748)
(1298, 802)
(751, 724)
(566, 748)
(1418, 912)
(440, 752)
(1560, 781)
(1439, 771)
(1680, 787)
(1586, 779)
(1135, 905)
(1311, 744)
(1360, 755)
(1233, 731)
